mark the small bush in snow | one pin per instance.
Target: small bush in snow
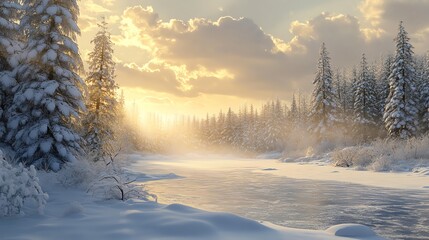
(344, 157)
(113, 182)
(381, 164)
(78, 173)
(385, 155)
(19, 187)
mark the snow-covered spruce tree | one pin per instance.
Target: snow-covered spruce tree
(303, 110)
(274, 126)
(365, 102)
(323, 106)
(294, 112)
(383, 82)
(400, 113)
(48, 98)
(9, 15)
(102, 104)
(423, 90)
(226, 124)
(346, 103)
(342, 89)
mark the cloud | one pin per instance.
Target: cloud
(230, 56)
(385, 15)
(372, 10)
(235, 57)
(97, 6)
(109, 2)
(157, 100)
(87, 23)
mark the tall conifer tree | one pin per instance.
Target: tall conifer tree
(400, 114)
(323, 106)
(102, 103)
(48, 98)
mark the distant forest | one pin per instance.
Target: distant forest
(385, 99)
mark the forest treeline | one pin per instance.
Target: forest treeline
(386, 99)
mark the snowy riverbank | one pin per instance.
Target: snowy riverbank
(317, 168)
(326, 172)
(73, 214)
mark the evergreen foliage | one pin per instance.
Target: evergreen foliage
(365, 101)
(47, 100)
(102, 104)
(323, 106)
(400, 115)
(9, 15)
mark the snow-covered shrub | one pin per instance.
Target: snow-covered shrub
(113, 182)
(119, 186)
(385, 155)
(19, 188)
(359, 156)
(345, 157)
(78, 173)
(381, 164)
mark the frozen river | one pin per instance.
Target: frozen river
(238, 186)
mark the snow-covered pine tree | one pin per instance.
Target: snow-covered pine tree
(423, 90)
(294, 112)
(9, 15)
(346, 104)
(378, 115)
(366, 108)
(383, 82)
(102, 103)
(323, 105)
(341, 89)
(277, 126)
(353, 81)
(338, 86)
(250, 132)
(400, 114)
(48, 99)
(303, 110)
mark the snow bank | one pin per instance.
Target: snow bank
(71, 214)
(270, 155)
(83, 219)
(352, 231)
(324, 171)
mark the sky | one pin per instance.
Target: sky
(192, 57)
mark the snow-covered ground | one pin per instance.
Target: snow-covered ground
(73, 214)
(317, 168)
(321, 171)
